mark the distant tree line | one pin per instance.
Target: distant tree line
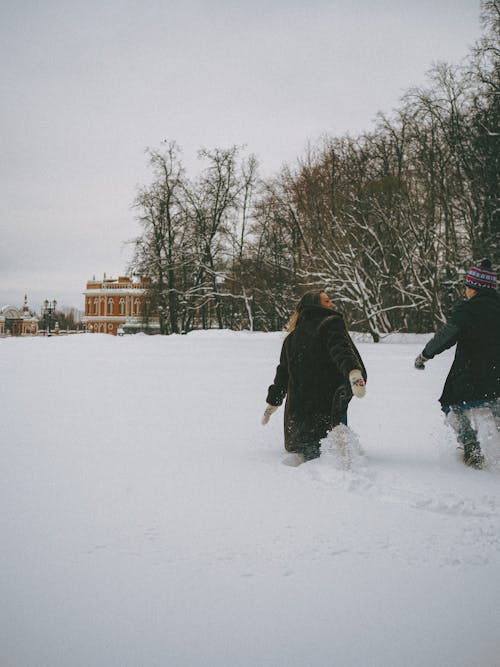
(66, 319)
(387, 221)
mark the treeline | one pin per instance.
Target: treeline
(387, 222)
(66, 319)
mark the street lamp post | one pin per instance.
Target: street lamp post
(161, 317)
(49, 307)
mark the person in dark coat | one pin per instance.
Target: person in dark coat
(318, 372)
(474, 378)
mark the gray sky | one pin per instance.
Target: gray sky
(86, 87)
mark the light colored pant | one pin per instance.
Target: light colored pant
(462, 420)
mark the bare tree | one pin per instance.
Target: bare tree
(157, 249)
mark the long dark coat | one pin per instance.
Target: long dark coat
(313, 373)
(475, 328)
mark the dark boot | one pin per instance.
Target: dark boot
(472, 455)
(467, 437)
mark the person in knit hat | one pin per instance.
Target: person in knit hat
(474, 378)
(319, 371)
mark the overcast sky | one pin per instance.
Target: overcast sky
(87, 86)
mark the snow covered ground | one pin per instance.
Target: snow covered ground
(147, 519)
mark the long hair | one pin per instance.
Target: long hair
(311, 298)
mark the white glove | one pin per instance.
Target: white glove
(268, 412)
(358, 385)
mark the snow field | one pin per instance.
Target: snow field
(147, 517)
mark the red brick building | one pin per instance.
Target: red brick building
(17, 322)
(112, 303)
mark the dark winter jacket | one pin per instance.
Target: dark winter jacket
(315, 362)
(475, 328)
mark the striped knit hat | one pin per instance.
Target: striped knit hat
(482, 276)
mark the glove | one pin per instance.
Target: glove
(268, 412)
(358, 384)
(420, 362)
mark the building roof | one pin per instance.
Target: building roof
(13, 313)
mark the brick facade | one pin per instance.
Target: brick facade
(112, 303)
(18, 322)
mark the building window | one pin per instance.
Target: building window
(96, 306)
(122, 306)
(137, 306)
(110, 306)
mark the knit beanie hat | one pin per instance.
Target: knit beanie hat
(482, 276)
